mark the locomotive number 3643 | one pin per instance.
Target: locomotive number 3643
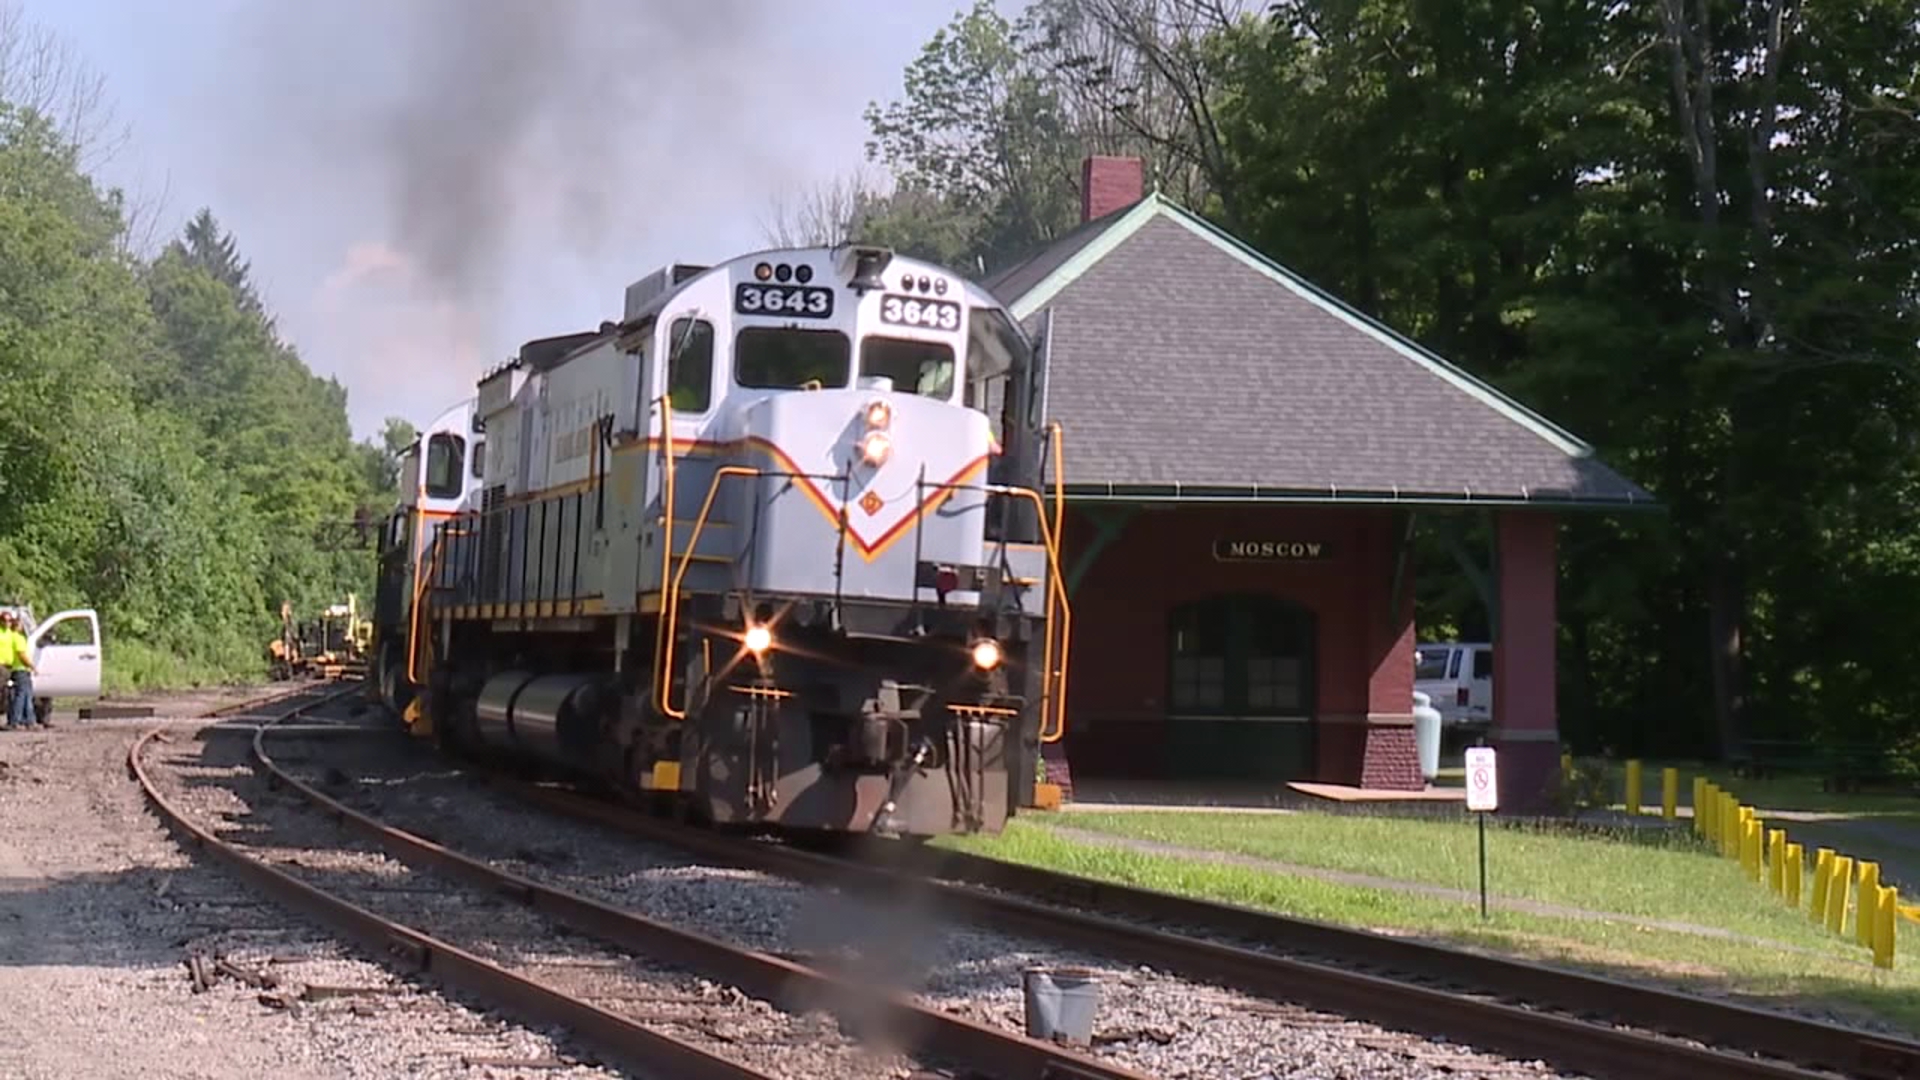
(793, 301)
(913, 311)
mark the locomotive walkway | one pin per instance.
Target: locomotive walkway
(1370, 881)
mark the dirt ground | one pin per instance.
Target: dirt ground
(100, 909)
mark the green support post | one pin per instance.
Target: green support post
(1108, 524)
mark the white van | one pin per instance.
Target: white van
(1458, 678)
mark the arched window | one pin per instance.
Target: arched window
(1241, 654)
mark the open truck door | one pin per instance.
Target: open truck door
(66, 657)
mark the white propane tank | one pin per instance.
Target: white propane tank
(1426, 733)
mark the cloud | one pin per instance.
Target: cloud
(396, 338)
(494, 160)
(365, 259)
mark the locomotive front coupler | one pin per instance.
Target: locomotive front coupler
(882, 823)
(877, 736)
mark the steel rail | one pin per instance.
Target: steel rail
(788, 985)
(1811, 1043)
(1794, 1049)
(619, 1037)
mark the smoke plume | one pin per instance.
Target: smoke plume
(491, 143)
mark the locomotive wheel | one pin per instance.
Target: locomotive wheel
(393, 680)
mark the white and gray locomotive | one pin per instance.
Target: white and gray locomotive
(775, 543)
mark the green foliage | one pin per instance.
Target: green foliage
(986, 144)
(1521, 188)
(1688, 233)
(168, 459)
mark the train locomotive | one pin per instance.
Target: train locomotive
(776, 545)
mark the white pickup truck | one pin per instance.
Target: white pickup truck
(66, 655)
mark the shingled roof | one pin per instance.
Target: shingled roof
(1183, 364)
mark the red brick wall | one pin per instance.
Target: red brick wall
(1391, 760)
(1164, 558)
(1109, 183)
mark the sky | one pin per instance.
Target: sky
(422, 185)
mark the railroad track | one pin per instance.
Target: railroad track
(1580, 1022)
(485, 899)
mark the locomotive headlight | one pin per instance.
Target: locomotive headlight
(986, 654)
(759, 639)
(879, 415)
(876, 447)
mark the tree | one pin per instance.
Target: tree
(821, 216)
(43, 75)
(985, 148)
(168, 457)
(1149, 75)
(1683, 237)
(205, 245)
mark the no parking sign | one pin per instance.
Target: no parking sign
(1483, 784)
(1483, 794)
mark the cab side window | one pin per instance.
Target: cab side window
(480, 459)
(446, 460)
(690, 365)
(994, 354)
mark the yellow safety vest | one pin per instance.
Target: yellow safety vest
(15, 652)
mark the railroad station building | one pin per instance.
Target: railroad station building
(1243, 453)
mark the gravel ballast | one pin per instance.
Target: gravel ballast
(1150, 1021)
(213, 782)
(100, 909)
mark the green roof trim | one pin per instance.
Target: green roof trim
(1242, 494)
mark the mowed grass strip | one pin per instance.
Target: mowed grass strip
(1656, 876)
(1838, 979)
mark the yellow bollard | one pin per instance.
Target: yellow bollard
(1756, 866)
(1566, 766)
(1632, 799)
(1886, 927)
(1866, 916)
(1729, 825)
(1796, 872)
(1777, 861)
(1837, 894)
(1700, 815)
(1670, 794)
(1736, 826)
(1822, 873)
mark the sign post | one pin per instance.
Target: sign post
(1483, 797)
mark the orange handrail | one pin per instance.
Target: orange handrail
(419, 597)
(419, 571)
(1056, 600)
(670, 601)
(1059, 530)
(660, 648)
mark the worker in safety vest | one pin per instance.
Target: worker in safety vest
(16, 656)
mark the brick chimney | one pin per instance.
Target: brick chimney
(1109, 183)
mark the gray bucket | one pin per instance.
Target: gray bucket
(1060, 1003)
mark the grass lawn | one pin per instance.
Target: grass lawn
(1669, 880)
(1880, 827)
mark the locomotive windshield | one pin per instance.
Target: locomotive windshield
(916, 367)
(769, 358)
